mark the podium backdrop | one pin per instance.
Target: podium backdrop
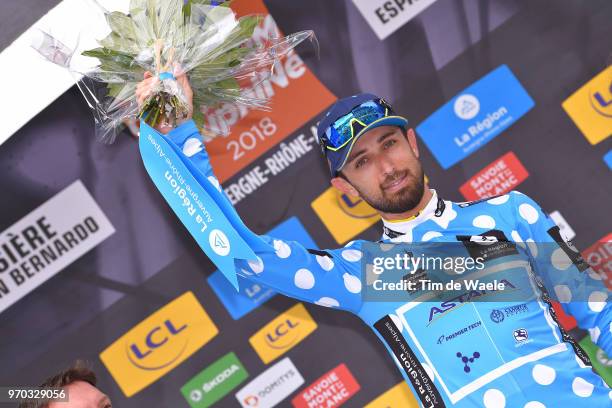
(95, 266)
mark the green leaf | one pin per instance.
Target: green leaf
(198, 118)
(247, 25)
(114, 89)
(106, 55)
(121, 25)
(227, 84)
(137, 6)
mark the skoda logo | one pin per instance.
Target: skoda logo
(497, 316)
(218, 242)
(195, 395)
(467, 106)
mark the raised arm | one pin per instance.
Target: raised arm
(328, 278)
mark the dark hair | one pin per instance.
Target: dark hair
(78, 371)
(342, 175)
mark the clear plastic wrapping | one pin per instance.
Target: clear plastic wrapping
(203, 38)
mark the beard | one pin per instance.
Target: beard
(402, 200)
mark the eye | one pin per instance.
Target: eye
(389, 143)
(361, 162)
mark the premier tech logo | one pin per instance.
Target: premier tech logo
(590, 107)
(283, 333)
(158, 344)
(344, 216)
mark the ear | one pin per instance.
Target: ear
(411, 135)
(344, 186)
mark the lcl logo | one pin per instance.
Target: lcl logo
(601, 102)
(140, 352)
(354, 207)
(283, 335)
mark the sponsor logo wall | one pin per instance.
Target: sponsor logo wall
(250, 133)
(590, 107)
(498, 117)
(479, 113)
(385, 16)
(49, 239)
(158, 344)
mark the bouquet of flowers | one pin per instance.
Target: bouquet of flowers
(202, 38)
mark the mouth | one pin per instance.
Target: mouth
(397, 184)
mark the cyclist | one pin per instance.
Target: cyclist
(458, 352)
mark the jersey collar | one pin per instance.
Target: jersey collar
(394, 229)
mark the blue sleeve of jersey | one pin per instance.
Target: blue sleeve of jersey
(327, 278)
(188, 138)
(580, 290)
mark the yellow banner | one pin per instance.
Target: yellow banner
(396, 396)
(158, 344)
(283, 333)
(590, 107)
(344, 216)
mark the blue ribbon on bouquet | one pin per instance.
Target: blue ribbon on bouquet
(201, 207)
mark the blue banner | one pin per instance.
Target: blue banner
(475, 116)
(199, 205)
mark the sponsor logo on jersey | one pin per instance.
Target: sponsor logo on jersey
(251, 294)
(446, 338)
(332, 389)
(272, 386)
(590, 107)
(489, 245)
(283, 333)
(466, 361)
(499, 177)
(158, 344)
(214, 382)
(448, 305)
(499, 315)
(425, 389)
(344, 216)
(520, 335)
(473, 118)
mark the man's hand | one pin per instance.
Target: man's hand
(145, 88)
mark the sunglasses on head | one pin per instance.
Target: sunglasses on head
(344, 129)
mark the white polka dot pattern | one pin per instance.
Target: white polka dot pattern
(304, 279)
(494, 398)
(543, 374)
(484, 221)
(351, 255)
(528, 213)
(582, 387)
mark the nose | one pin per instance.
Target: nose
(385, 166)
